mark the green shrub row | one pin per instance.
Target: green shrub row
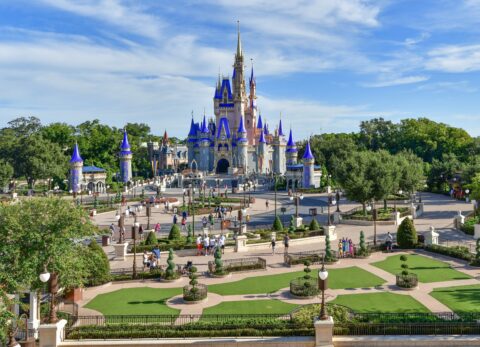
(459, 252)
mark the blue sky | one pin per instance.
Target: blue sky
(325, 65)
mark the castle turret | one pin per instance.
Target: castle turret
(291, 152)
(242, 146)
(125, 159)
(262, 153)
(76, 170)
(308, 161)
(204, 146)
(191, 141)
(279, 144)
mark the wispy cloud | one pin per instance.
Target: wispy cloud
(454, 58)
(397, 81)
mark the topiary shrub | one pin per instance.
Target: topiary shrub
(170, 273)
(174, 233)
(329, 257)
(219, 270)
(277, 224)
(476, 261)
(363, 251)
(291, 228)
(406, 234)
(151, 239)
(406, 279)
(97, 265)
(189, 234)
(304, 286)
(314, 225)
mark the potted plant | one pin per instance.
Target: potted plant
(405, 279)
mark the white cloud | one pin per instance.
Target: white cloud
(397, 81)
(454, 58)
(130, 18)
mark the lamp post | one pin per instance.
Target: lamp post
(337, 197)
(322, 285)
(121, 225)
(467, 192)
(275, 189)
(135, 227)
(52, 278)
(331, 202)
(297, 199)
(400, 192)
(374, 217)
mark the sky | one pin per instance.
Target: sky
(324, 65)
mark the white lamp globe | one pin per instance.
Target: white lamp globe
(117, 217)
(400, 192)
(334, 202)
(301, 196)
(467, 191)
(137, 224)
(44, 276)
(70, 191)
(323, 275)
(369, 208)
(291, 198)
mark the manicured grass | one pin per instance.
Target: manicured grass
(351, 277)
(459, 299)
(380, 302)
(251, 307)
(135, 301)
(427, 270)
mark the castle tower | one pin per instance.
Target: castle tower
(251, 114)
(76, 167)
(204, 146)
(308, 161)
(125, 159)
(279, 144)
(242, 146)
(291, 152)
(238, 81)
(192, 140)
(262, 153)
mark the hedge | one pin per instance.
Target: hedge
(459, 252)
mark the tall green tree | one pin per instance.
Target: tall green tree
(411, 172)
(6, 173)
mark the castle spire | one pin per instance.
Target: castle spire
(239, 41)
(262, 138)
(192, 131)
(76, 158)
(259, 123)
(280, 128)
(290, 142)
(165, 137)
(252, 76)
(308, 152)
(204, 128)
(241, 126)
(125, 146)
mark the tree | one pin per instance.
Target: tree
(411, 172)
(170, 273)
(363, 251)
(277, 224)
(379, 134)
(174, 233)
(151, 239)
(406, 234)
(96, 264)
(314, 224)
(6, 173)
(219, 270)
(328, 250)
(442, 170)
(404, 265)
(476, 261)
(383, 175)
(189, 234)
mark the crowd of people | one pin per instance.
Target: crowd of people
(207, 245)
(346, 248)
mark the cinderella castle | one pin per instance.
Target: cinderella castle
(237, 141)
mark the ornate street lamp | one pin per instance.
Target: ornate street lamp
(331, 202)
(135, 227)
(297, 199)
(374, 217)
(52, 278)
(322, 285)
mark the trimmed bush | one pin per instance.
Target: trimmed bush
(459, 252)
(97, 265)
(476, 261)
(363, 251)
(277, 224)
(151, 239)
(190, 234)
(329, 257)
(174, 233)
(219, 270)
(314, 225)
(406, 234)
(291, 228)
(170, 273)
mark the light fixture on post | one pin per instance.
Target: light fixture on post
(135, 227)
(52, 278)
(374, 218)
(322, 286)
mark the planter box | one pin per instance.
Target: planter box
(74, 295)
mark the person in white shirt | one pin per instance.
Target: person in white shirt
(206, 244)
(221, 243)
(199, 245)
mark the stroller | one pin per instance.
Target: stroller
(186, 268)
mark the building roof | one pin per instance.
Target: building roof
(76, 158)
(262, 137)
(92, 169)
(252, 78)
(280, 129)
(290, 142)
(308, 152)
(259, 123)
(223, 124)
(192, 131)
(225, 85)
(204, 128)
(125, 146)
(241, 126)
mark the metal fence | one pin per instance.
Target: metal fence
(240, 264)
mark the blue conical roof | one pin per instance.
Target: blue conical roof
(308, 152)
(280, 129)
(290, 142)
(192, 131)
(204, 128)
(241, 126)
(125, 146)
(262, 138)
(252, 77)
(259, 123)
(76, 158)
(265, 129)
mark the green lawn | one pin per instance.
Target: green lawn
(459, 299)
(132, 301)
(351, 277)
(251, 307)
(427, 270)
(380, 302)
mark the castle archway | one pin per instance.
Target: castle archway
(222, 166)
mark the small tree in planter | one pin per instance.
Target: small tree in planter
(329, 257)
(189, 234)
(195, 291)
(406, 279)
(170, 273)
(277, 224)
(219, 270)
(314, 225)
(174, 232)
(95, 202)
(304, 286)
(363, 251)
(151, 239)
(476, 261)
(291, 228)
(406, 234)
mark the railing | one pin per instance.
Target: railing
(242, 264)
(126, 270)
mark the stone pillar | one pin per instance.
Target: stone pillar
(120, 250)
(241, 244)
(476, 229)
(337, 217)
(329, 189)
(413, 211)
(420, 207)
(205, 231)
(298, 222)
(331, 232)
(431, 237)
(396, 217)
(243, 229)
(52, 335)
(33, 317)
(458, 220)
(324, 332)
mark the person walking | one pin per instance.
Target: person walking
(145, 260)
(212, 245)
(184, 224)
(389, 241)
(157, 227)
(286, 240)
(212, 221)
(112, 231)
(272, 244)
(199, 245)
(206, 244)
(204, 222)
(340, 249)
(175, 219)
(221, 243)
(266, 204)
